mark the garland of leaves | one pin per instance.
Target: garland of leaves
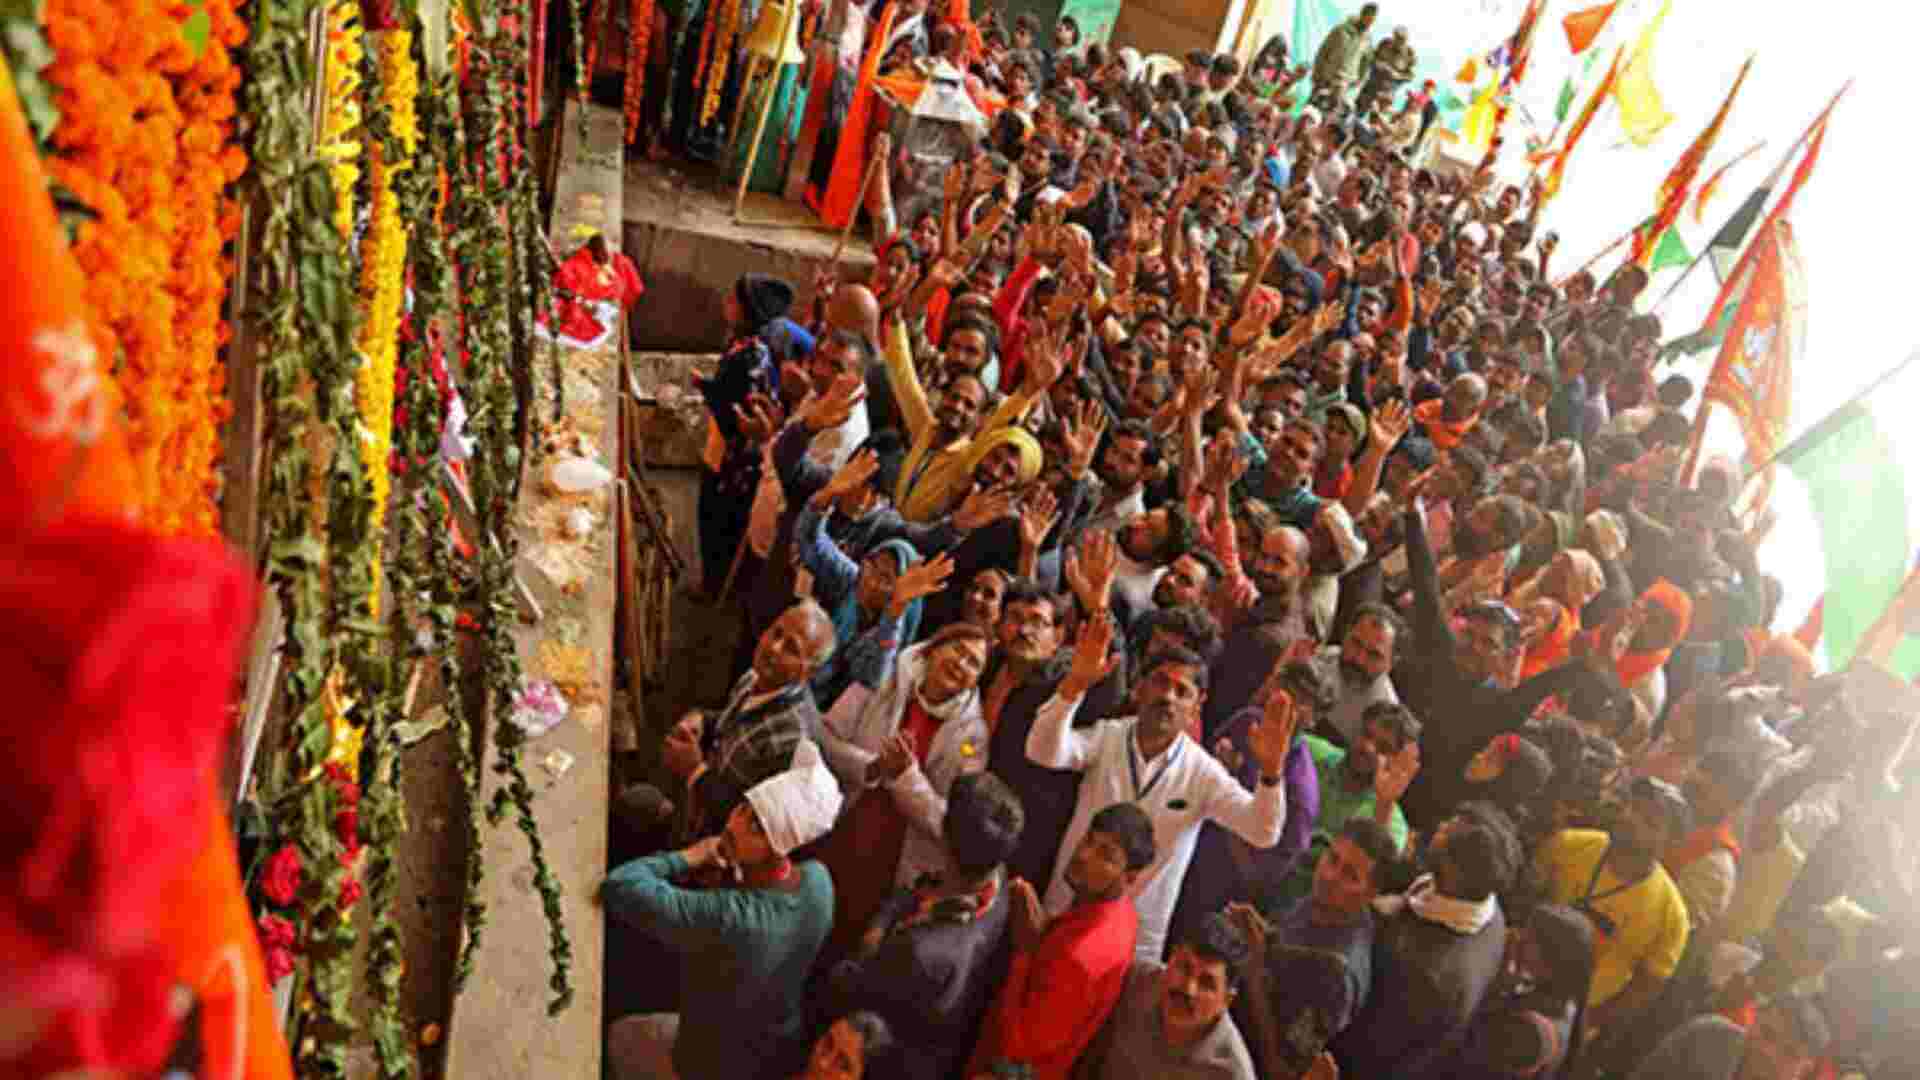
(496, 302)
(305, 326)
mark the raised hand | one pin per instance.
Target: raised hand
(983, 507)
(1270, 738)
(1082, 432)
(920, 579)
(944, 274)
(955, 186)
(1091, 662)
(1392, 776)
(854, 475)
(704, 853)
(1225, 464)
(1029, 918)
(1091, 569)
(1046, 358)
(1389, 425)
(1038, 518)
(830, 407)
(1196, 390)
(1257, 930)
(1328, 317)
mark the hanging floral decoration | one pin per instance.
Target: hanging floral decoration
(339, 144)
(144, 141)
(639, 32)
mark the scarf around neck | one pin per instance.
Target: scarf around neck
(1463, 917)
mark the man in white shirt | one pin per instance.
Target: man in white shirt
(1149, 759)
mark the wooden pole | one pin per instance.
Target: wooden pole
(766, 109)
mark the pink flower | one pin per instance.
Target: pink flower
(280, 881)
(279, 964)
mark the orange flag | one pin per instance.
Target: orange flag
(1559, 168)
(1712, 185)
(1585, 25)
(1674, 190)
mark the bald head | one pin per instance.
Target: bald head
(797, 643)
(1465, 395)
(854, 310)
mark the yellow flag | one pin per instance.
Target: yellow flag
(1476, 127)
(1643, 115)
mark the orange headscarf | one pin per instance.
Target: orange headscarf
(1635, 666)
(1443, 433)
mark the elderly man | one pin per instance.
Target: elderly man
(1149, 759)
(767, 727)
(753, 930)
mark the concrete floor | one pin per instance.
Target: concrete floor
(678, 228)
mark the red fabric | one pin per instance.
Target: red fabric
(863, 853)
(1332, 485)
(1008, 305)
(120, 874)
(841, 202)
(1056, 997)
(587, 280)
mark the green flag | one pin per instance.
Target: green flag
(1859, 494)
(1672, 251)
(1567, 94)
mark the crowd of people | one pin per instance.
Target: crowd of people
(1221, 602)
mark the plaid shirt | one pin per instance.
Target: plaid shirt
(745, 746)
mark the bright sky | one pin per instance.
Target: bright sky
(1855, 220)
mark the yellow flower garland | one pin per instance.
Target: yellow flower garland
(339, 142)
(383, 256)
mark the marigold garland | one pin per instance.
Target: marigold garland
(639, 31)
(383, 256)
(145, 142)
(339, 142)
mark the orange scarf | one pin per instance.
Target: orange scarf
(1638, 665)
(1551, 651)
(1701, 843)
(1445, 434)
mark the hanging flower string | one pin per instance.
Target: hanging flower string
(144, 143)
(339, 144)
(383, 258)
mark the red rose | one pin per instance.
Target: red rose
(346, 825)
(275, 932)
(343, 784)
(279, 964)
(280, 881)
(350, 893)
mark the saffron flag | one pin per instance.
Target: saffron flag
(1643, 113)
(1865, 509)
(1753, 379)
(1819, 133)
(1584, 25)
(1672, 197)
(1520, 47)
(1712, 186)
(1559, 169)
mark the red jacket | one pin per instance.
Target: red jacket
(1058, 995)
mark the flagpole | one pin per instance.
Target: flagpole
(1820, 431)
(1792, 152)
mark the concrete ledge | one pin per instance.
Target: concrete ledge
(679, 230)
(499, 1027)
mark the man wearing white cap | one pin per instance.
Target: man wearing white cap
(751, 922)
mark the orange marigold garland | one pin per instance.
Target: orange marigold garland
(639, 30)
(145, 140)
